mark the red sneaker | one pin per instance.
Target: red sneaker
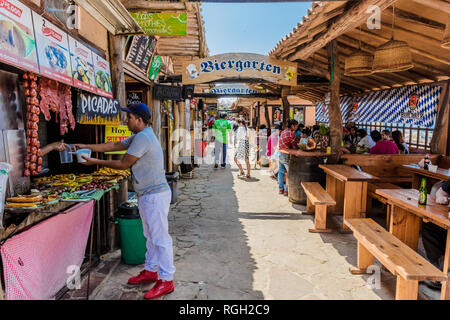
(161, 288)
(144, 277)
(286, 193)
(281, 191)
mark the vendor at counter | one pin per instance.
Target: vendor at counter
(145, 157)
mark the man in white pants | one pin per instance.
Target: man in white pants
(145, 157)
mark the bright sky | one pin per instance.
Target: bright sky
(249, 27)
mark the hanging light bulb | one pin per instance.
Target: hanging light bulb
(446, 40)
(359, 63)
(393, 56)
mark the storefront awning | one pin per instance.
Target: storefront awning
(112, 15)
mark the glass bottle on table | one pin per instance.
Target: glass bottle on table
(423, 192)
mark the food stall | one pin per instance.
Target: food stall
(53, 87)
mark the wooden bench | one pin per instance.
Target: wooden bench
(397, 257)
(317, 202)
(388, 167)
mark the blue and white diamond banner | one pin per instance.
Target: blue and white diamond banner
(415, 105)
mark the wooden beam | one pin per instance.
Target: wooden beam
(153, 5)
(352, 18)
(286, 108)
(435, 4)
(439, 140)
(334, 106)
(314, 69)
(116, 45)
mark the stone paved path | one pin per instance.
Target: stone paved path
(238, 239)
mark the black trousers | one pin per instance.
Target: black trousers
(434, 239)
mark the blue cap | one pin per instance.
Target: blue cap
(139, 109)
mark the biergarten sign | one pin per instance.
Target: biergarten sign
(240, 66)
(162, 23)
(233, 89)
(94, 109)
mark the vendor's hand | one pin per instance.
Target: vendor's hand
(442, 200)
(89, 161)
(60, 146)
(78, 146)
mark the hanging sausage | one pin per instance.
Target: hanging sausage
(33, 160)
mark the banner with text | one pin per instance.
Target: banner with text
(116, 134)
(93, 109)
(17, 42)
(242, 66)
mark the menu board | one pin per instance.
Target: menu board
(102, 76)
(82, 66)
(17, 42)
(141, 52)
(53, 50)
(93, 109)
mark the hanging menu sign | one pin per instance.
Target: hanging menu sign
(134, 97)
(82, 66)
(17, 42)
(93, 109)
(141, 52)
(53, 50)
(102, 76)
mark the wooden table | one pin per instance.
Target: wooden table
(348, 187)
(419, 173)
(406, 216)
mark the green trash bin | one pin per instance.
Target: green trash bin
(132, 240)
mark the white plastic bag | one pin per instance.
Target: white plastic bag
(5, 168)
(421, 163)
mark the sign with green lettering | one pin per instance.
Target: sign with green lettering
(162, 23)
(155, 66)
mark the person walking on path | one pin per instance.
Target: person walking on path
(145, 157)
(243, 148)
(287, 142)
(221, 128)
(272, 151)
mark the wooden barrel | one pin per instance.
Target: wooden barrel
(303, 169)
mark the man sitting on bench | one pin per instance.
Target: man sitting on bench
(434, 237)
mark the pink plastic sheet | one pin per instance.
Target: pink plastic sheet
(36, 261)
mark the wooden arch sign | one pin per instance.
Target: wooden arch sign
(240, 67)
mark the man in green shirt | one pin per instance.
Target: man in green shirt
(221, 128)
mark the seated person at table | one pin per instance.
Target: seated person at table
(351, 140)
(382, 146)
(365, 142)
(434, 237)
(397, 137)
(386, 135)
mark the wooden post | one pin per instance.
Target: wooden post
(266, 115)
(334, 107)
(440, 137)
(286, 105)
(258, 114)
(175, 136)
(116, 58)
